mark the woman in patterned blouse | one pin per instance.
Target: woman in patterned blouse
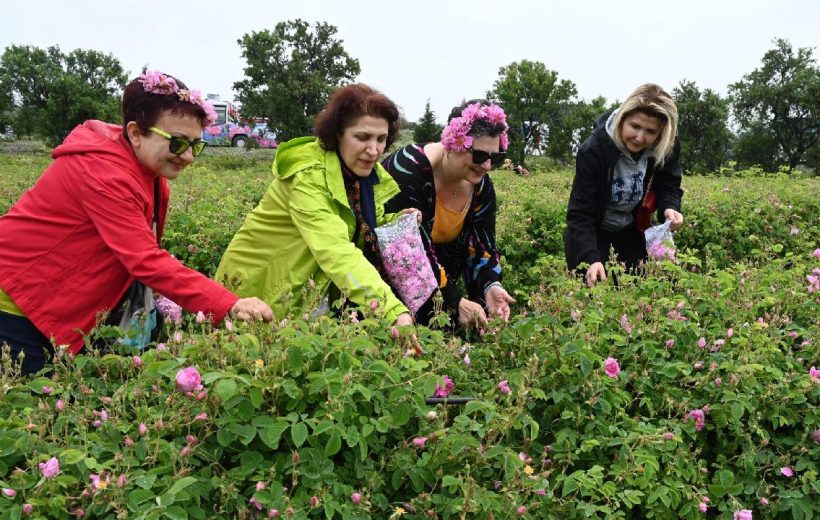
(448, 182)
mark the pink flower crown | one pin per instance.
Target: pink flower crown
(454, 137)
(156, 82)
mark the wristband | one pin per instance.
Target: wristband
(490, 286)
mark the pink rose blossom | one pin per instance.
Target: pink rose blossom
(764, 501)
(137, 361)
(815, 436)
(467, 359)
(190, 440)
(260, 486)
(374, 304)
(200, 317)
(743, 514)
(50, 468)
(185, 451)
(670, 343)
(703, 507)
(98, 482)
(702, 342)
(611, 367)
(189, 380)
(816, 253)
(356, 498)
(787, 471)
(446, 389)
(27, 508)
(419, 442)
(504, 387)
(814, 374)
(718, 381)
(273, 513)
(201, 416)
(60, 405)
(46, 390)
(143, 429)
(730, 332)
(228, 325)
(255, 504)
(9, 492)
(129, 442)
(394, 332)
(522, 510)
(668, 435)
(699, 417)
(314, 501)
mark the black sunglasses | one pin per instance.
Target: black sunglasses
(480, 157)
(178, 145)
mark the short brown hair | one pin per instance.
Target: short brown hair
(145, 108)
(349, 103)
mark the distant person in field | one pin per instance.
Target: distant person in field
(632, 150)
(71, 247)
(449, 182)
(315, 224)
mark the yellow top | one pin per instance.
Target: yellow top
(448, 223)
(7, 304)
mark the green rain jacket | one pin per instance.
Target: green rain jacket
(301, 230)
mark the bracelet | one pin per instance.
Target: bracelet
(490, 286)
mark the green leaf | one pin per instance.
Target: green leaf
(270, 436)
(401, 414)
(181, 484)
(71, 456)
(245, 432)
(450, 481)
(256, 397)
(175, 513)
(225, 389)
(146, 480)
(299, 434)
(334, 444)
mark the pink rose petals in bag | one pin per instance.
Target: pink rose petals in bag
(405, 261)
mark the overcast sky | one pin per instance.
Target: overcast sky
(442, 50)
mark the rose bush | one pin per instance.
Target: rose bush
(601, 402)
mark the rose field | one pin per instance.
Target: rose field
(689, 392)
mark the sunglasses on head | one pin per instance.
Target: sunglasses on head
(480, 156)
(178, 145)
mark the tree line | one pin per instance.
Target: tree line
(769, 118)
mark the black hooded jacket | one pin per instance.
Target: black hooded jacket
(591, 192)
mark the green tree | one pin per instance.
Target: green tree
(6, 105)
(702, 126)
(538, 107)
(780, 102)
(53, 92)
(583, 116)
(290, 74)
(427, 130)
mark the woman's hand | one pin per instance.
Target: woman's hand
(250, 309)
(675, 218)
(498, 302)
(404, 319)
(412, 341)
(407, 211)
(595, 273)
(471, 313)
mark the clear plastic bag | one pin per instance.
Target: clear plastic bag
(659, 242)
(405, 261)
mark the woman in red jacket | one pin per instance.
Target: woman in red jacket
(71, 247)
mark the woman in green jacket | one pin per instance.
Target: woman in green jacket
(316, 220)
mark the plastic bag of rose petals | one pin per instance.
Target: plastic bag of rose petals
(659, 242)
(405, 261)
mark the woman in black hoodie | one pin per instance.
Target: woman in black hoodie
(630, 152)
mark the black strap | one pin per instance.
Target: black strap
(156, 209)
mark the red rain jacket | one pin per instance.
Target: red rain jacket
(74, 243)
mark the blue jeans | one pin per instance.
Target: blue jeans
(22, 336)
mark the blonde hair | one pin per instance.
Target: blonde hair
(652, 100)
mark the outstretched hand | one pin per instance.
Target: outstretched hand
(250, 309)
(498, 302)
